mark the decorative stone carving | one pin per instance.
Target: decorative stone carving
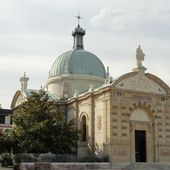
(76, 93)
(91, 89)
(108, 80)
(99, 122)
(139, 56)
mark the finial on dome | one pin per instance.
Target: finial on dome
(107, 73)
(78, 34)
(78, 18)
(24, 74)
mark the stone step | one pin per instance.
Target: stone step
(96, 166)
(148, 166)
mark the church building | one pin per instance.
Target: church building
(126, 119)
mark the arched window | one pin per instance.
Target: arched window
(84, 130)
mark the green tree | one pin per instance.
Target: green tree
(39, 128)
(7, 141)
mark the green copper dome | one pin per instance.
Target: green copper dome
(78, 61)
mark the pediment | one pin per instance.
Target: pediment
(18, 99)
(21, 99)
(21, 96)
(144, 82)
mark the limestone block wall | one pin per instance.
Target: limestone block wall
(162, 128)
(120, 128)
(102, 123)
(157, 107)
(99, 129)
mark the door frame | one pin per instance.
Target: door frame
(139, 125)
(138, 135)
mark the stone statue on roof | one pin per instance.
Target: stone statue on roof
(139, 56)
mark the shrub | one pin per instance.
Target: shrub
(47, 157)
(6, 160)
(24, 157)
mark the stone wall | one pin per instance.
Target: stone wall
(64, 166)
(95, 166)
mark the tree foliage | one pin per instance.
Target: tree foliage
(39, 128)
(7, 141)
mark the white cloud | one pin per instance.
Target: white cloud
(117, 20)
(153, 23)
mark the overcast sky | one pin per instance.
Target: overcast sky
(33, 33)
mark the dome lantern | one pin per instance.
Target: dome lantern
(78, 34)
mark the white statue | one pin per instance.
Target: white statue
(76, 93)
(139, 56)
(91, 89)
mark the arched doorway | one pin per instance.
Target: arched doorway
(83, 147)
(141, 136)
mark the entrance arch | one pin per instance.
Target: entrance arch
(141, 136)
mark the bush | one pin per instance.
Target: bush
(94, 159)
(6, 160)
(44, 157)
(47, 157)
(25, 157)
(16, 167)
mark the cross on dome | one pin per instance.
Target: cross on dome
(78, 18)
(78, 34)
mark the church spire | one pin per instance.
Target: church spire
(78, 34)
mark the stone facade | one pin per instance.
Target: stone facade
(115, 112)
(110, 117)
